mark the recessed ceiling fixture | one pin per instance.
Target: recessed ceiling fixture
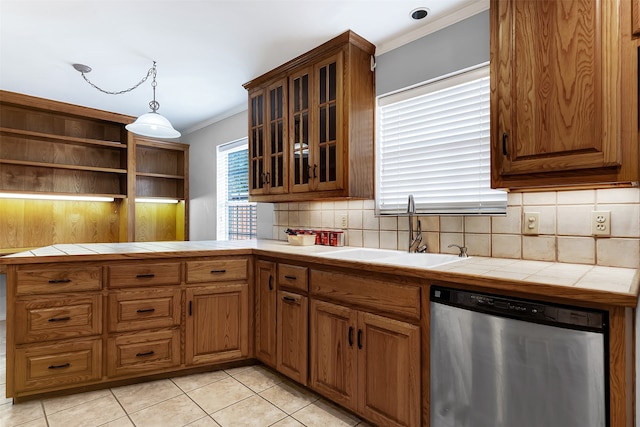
(419, 13)
(151, 124)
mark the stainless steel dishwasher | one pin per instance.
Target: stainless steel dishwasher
(505, 362)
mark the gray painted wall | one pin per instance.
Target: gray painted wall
(453, 48)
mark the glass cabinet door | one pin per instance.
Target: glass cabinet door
(257, 173)
(277, 176)
(329, 109)
(301, 165)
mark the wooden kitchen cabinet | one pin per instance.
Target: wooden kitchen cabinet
(265, 327)
(561, 78)
(293, 336)
(268, 130)
(328, 150)
(217, 310)
(217, 325)
(366, 362)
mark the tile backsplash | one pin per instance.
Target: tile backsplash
(564, 227)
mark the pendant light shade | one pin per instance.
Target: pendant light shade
(153, 125)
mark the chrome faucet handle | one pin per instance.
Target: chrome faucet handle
(463, 250)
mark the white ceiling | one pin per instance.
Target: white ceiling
(205, 50)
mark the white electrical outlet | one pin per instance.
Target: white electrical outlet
(601, 223)
(344, 223)
(531, 223)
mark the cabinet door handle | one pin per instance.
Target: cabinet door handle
(59, 319)
(59, 280)
(64, 365)
(145, 310)
(190, 308)
(267, 177)
(359, 338)
(148, 353)
(290, 299)
(145, 276)
(218, 271)
(315, 168)
(504, 143)
(270, 282)
(350, 336)
(291, 277)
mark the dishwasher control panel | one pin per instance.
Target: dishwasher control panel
(523, 309)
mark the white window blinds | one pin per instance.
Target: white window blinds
(236, 216)
(433, 142)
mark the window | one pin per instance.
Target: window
(433, 142)
(236, 216)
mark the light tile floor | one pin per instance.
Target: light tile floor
(247, 396)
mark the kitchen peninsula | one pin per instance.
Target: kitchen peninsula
(89, 316)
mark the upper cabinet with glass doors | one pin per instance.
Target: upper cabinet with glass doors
(321, 146)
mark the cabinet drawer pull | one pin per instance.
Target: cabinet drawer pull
(59, 319)
(359, 338)
(64, 365)
(147, 353)
(350, 336)
(218, 271)
(145, 310)
(291, 277)
(290, 299)
(145, 276)
(59, 280)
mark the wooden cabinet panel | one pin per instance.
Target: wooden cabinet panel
(46, 279)
(144, 309)
(219, 270)
(217, 323)
(293, 277)
(135, 353)
(333, 357)
(51, 318)
(54, 366)
(292, 336)
(367, 293)
(265, 326)
(556, 92)
(143, 274)
(389, 371)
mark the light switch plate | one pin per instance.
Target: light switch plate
(531, 223)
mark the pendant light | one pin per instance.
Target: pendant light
(151, 124)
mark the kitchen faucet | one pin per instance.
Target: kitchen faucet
(414, 243)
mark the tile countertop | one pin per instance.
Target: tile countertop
(587, 283)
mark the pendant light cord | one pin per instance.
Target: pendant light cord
(152, 71)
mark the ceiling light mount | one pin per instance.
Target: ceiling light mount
(419, 13)
(151, 124)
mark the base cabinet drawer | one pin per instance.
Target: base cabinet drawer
(219, 270)
(46, 319)
(134, 353)
(49, 367)
(144, 309)
(144, 274)
(47, 279)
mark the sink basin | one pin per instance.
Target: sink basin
(385, 256)
(362, 254)
(422, 260)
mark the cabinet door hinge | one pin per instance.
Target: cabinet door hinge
(373, 63)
